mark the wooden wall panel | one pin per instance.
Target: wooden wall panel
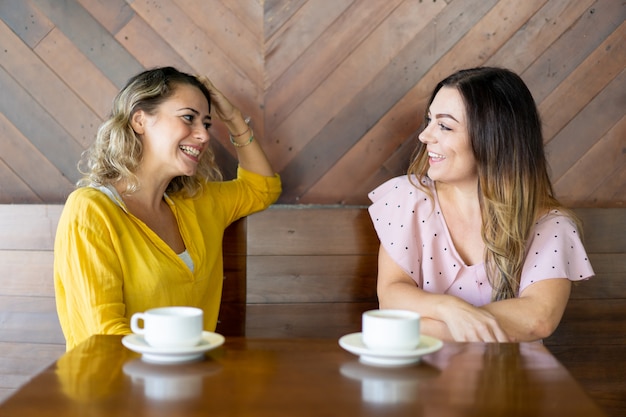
(335, 88)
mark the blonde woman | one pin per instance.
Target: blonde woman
(473, 237)
(144, 228)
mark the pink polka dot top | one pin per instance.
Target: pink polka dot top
(414, 233)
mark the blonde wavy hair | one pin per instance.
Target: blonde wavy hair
(514, 187)
(116, 152)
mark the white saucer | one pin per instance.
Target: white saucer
(353, 343)
(136, 343)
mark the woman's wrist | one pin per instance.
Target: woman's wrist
(238, 129)
(238, 143)
(237, 122)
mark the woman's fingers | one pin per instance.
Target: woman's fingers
(223, 107)
(470, 324)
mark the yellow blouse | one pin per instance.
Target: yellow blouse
(109, 265)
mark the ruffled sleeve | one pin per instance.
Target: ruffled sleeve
(555, 251)
(412, 230)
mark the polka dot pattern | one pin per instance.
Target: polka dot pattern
(413, 231)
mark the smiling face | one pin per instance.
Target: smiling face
(175, 137)
(450, 156)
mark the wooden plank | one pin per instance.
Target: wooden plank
(28, 226)
(526, 45)
(26, 273)
(317, 61)
(612, 191)
(20, 361)
(201, 53)
(26, 20)
(46, 182)
(85, 80)
(46, 135)
(326, 320)
(307, 231)
(5, 393)
(398, 127)
(148, 47)
(234, 289)
(350, 123)
(218, 22)
(29, 320)
(250, 14)
(13, 189)
(610, 279)
(112, 14)
(92, 39)
(584, 83)
(591, 322)
(232, 315)
(49, 92)
(573, 46)
(604, 381)
(598, 116)
(400, 123)
(297, 34)
(232, 319)
(588, 174)
(395, 165)
(604, 229)
(277, 12)
(395, 51)
(312, 279)
(234, 240)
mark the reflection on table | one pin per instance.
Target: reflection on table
(302, 377)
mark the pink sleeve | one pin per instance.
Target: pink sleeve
(555, 251)
(412, 230)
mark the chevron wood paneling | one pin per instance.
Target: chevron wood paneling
(335, 88)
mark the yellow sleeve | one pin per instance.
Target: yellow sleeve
(87, 273)
(253, 193)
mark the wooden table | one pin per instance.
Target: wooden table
(302, 377)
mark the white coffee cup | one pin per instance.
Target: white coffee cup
(169, 327)
(391, 329)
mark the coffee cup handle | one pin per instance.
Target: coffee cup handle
(134, 323)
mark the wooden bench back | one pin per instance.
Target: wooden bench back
(597, 307)
(30, 333)
(312, 272)
(290, 271)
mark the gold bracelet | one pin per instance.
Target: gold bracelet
(240, 134)
(241, 145)
(247, 122)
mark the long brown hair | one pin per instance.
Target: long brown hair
(514, 187)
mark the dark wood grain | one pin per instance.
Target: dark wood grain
(600, 369)
(17, 191)
(306, 320)
(349, 123)
(604, 229)
(317, 61)
(570, 50)
(309, 271)
(336, 93)
(293, 230)
(588, 79)
(46, 135)
(303, 377)
(314, 279)
(91, 39)
(46, 182)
